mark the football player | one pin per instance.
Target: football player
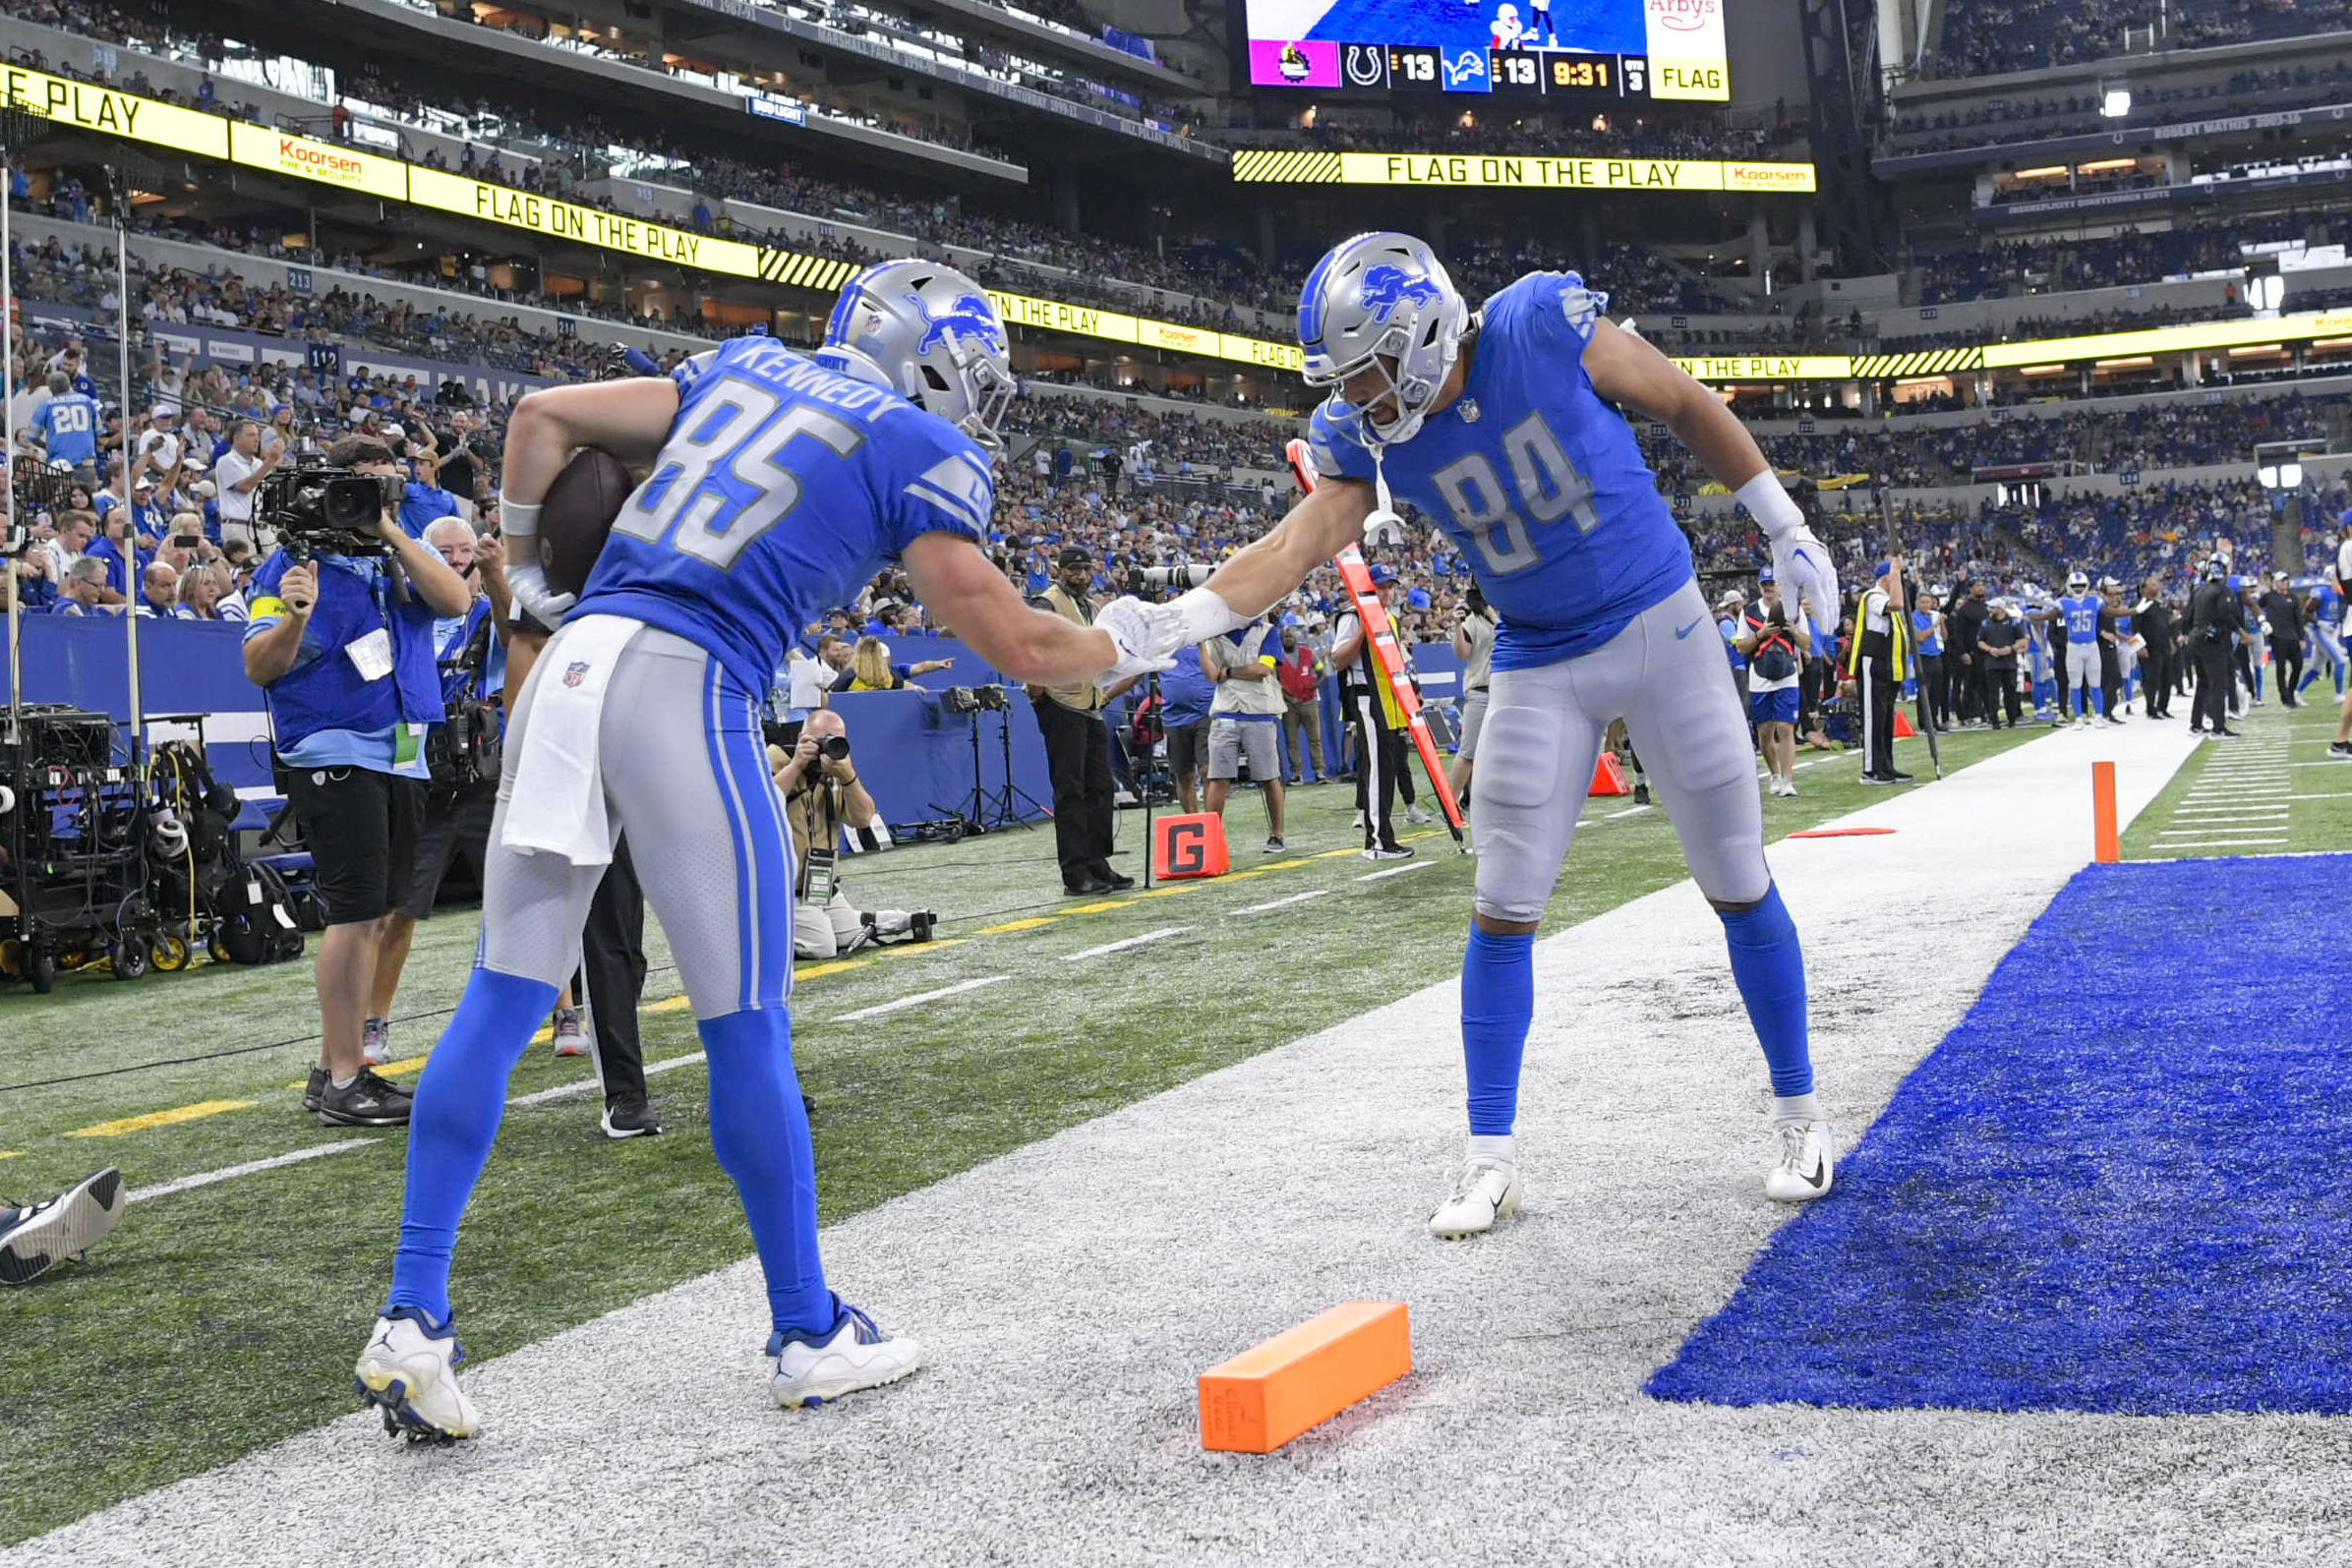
(777, 485)
(1501, 424)
(2078, 612)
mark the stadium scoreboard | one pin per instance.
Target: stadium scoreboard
(1595, 51)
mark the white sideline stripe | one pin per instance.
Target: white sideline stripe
(1396, 871)
(2220, 843)
(564, 1092)
(1278, 903)
(229, 1173)
(1635, 810)
(2327, 794)
(2251, 834)
(1121, 945)
(921, 996)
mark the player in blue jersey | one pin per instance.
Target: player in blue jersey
(67, 424)
(776, 486)
(2076, 612)
(2040, 667)
(1503, 427)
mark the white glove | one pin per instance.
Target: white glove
(1800, 564)
(1144, 636)
(526, 580)
(1384, 530)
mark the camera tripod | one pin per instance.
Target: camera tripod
(984, 810)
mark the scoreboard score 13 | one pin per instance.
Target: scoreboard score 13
(1593, 49)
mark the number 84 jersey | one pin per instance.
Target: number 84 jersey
(782, 488)
(1538, 480)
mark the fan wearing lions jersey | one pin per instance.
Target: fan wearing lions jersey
(1503, 426)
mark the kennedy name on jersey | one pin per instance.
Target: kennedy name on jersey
(769, 358)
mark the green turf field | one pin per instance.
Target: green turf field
(2274, 790)
(218, 1319)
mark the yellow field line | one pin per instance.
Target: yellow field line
(11, 1154)
(1029, 924)
(1097, 908)
(183, 1112)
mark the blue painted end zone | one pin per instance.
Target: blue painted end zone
(2123, 1183)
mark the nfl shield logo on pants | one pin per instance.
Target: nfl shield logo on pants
(575, 671)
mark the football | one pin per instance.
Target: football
(578, 514)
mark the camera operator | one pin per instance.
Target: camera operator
(1474, 646)
(462, 795)
(1774, 648)
(342, 651)
(822, 795)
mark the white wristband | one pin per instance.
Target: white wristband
(1770, 505)
(517, 518)
(1207, 614)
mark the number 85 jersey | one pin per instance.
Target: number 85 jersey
(782, 488)
(1538, 480)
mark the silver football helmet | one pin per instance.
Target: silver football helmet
(929, 333)
(1383, 303)
(2078, 582)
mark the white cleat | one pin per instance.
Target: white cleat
(1488, 1191)
(853, 1355)
(411, 1375)
(1804, 1168)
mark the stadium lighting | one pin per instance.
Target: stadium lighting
(2280, 476)
(2115, 102)
(2264, 290)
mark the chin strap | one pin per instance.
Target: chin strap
(1379, 482)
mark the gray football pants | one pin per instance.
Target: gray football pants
(1665, 675)
(686, 771)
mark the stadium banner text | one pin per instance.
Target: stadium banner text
(147, 120)
(1539, 172)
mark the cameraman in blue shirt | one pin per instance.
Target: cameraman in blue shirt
(344, 656)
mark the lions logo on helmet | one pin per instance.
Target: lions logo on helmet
(1387, 287)
(929, 333)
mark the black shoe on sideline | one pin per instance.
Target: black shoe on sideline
(1085, 885)
(1900, 778)
(1641, 795)
(366, 1101)
(36, 1238)
(628, 1116)
(1118, 882)
(313, 1089)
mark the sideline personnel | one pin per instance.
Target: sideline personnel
(1078, 744)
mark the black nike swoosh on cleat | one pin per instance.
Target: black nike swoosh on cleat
(1820, 1177)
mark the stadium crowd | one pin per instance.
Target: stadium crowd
(2005, 119)
(1999, 270)
(1983, 38)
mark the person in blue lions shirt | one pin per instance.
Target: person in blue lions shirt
(1503, 426)
(67, 424)
(343, 654)
(775, 485)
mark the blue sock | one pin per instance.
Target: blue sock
(460, 1096)
(1497, 1005)
(760, 1130)
(1769, 968)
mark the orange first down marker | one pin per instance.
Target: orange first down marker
(1273, 1391)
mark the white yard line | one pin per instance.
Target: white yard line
(2220, 843)
(1396, 871)
(229, 1173)
(1632, 811)
(921, 996)
(589, 1085)
(1122, 945)
(1282, 903)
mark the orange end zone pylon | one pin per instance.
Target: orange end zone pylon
(1269, 1394)
(2105, 843)
(1608, 775)
(1386, 651)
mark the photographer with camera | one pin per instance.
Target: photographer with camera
(1474, 644)
(1774, 648)
(341, 642)
(822, 795)
(461, 757)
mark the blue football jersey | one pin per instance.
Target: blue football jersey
(69, 428)
(781, 490)
(2081, 617)
(1536, 480)
(2331, 606)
